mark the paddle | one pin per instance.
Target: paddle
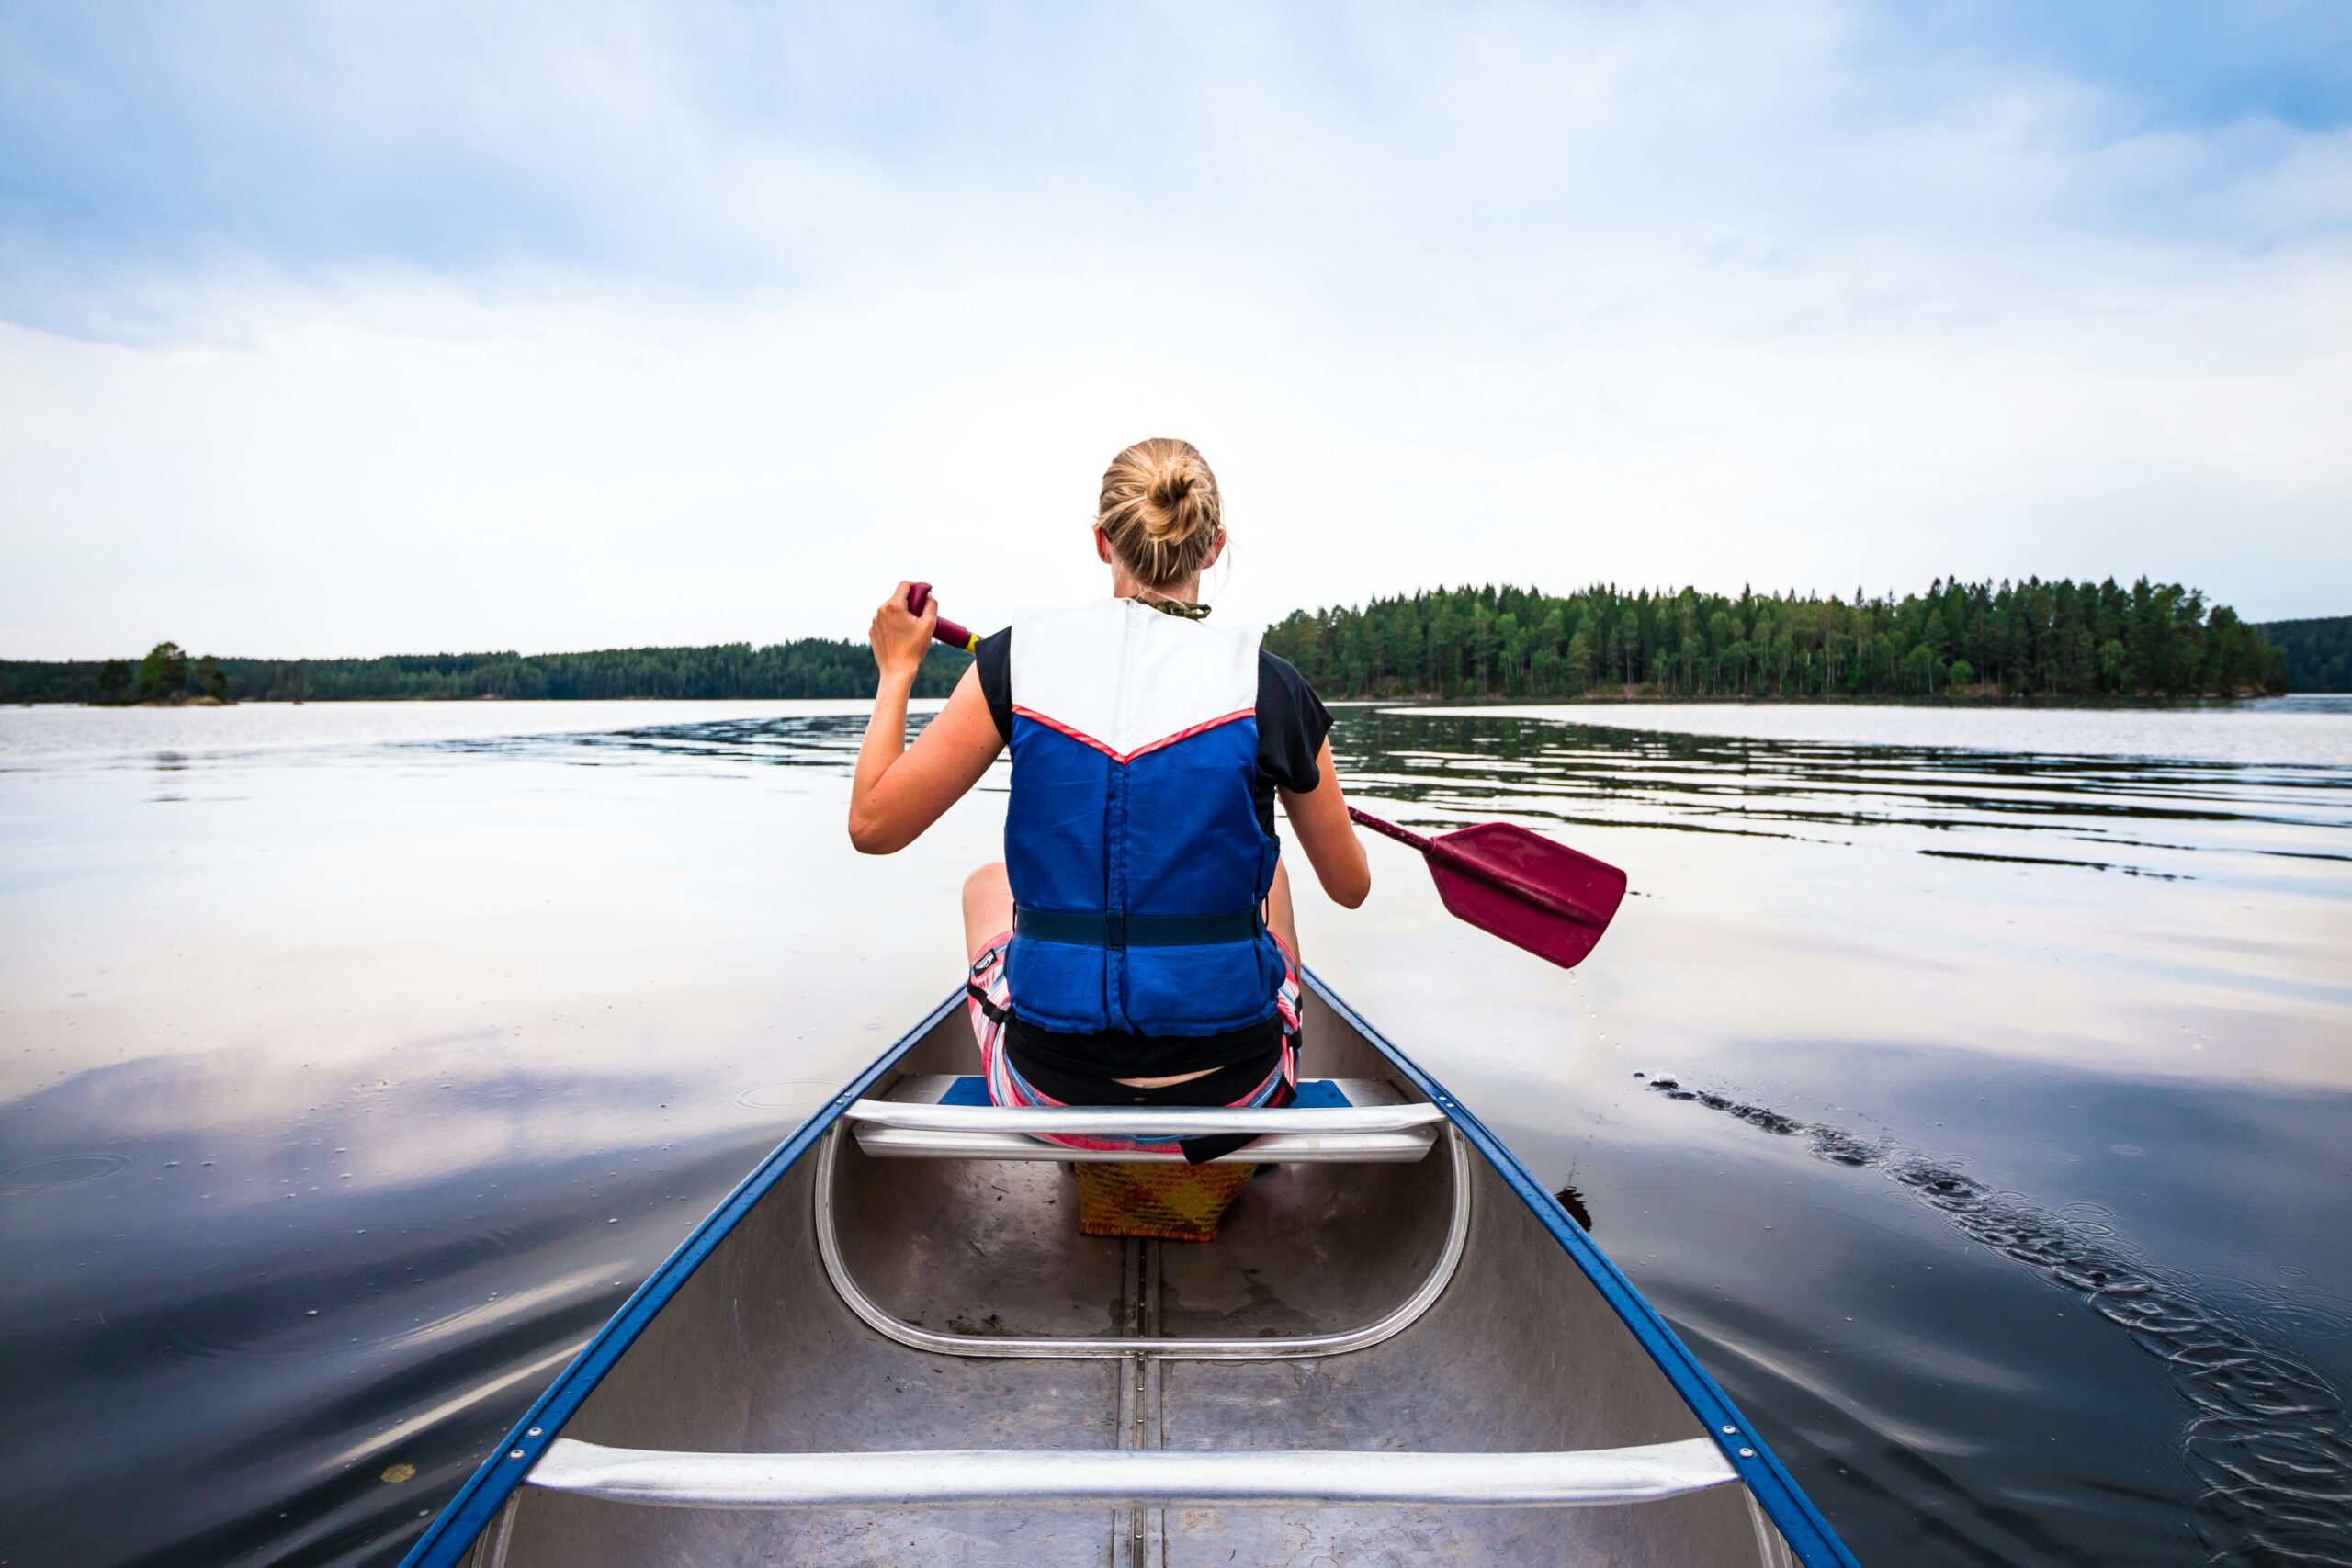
(947, 631)
(1545, 897)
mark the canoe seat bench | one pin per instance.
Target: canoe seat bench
(1139, 1478)
(1354, 1121)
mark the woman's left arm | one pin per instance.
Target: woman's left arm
(901, 790)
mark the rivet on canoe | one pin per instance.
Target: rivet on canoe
(535, 1432)
(1748, 1453)
(514, 1453)
(1728, 1431)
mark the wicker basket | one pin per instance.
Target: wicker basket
(1174, 1203)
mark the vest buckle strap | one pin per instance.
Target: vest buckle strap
(1113, 927)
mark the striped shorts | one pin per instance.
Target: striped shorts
(1007, 1087)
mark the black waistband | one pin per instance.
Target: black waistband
(1114, 928)
(1112, 1054)
(1223, 1085)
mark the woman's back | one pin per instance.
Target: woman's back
(1138, 932)
(1140, 837)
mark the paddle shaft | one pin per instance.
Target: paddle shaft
(943, 630)
(1388, 830)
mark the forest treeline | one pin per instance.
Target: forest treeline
(2057, 639)
(812, 667)
(2319, 652)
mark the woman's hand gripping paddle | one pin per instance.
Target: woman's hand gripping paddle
(947, 631)
(1533, 893)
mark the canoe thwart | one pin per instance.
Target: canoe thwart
(1137, 1478)
(1139, 1121)
(1347, 1120)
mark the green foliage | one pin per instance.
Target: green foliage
(162, 672)
(2318, 652)
(2058, 639)
(2035, 638)
(813, 667)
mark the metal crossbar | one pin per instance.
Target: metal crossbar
(1140, 1121)
(1135, 1478)
(940, 1128)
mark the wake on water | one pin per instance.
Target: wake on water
(2266, 1440)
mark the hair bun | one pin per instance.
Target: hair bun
(1159, 509)
(1173, 483)
(1172, 516)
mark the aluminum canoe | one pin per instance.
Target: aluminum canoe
(890, 1345)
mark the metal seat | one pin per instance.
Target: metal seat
(1345, 1120)
(1133, 1478)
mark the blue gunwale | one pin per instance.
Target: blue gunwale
(1775, 1491)
(453, 1532)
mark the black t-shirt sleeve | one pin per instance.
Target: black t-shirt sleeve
(1292, 723)
(993, 660)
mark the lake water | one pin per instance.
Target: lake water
(1971, 1088)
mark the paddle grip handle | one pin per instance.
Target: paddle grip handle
(943, 630)
(1389, 829)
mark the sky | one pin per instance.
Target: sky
(355, 329)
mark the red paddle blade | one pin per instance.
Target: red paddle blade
(1533, 893)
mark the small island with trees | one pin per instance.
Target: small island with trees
(2059, 641)
(165, 677)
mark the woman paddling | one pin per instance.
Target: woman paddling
(1136, 943)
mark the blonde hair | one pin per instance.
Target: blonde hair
(1159, 510)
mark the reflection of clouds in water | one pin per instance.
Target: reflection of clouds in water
(310, 1330)
(466, 958)
(231, 1133)
(821, 742)
(2267, 1442)
(814, 740)
(48, 736)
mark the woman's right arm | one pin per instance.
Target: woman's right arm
(899, 790)
(1318, 820)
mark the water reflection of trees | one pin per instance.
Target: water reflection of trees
(1456, 767)
(1464, 766)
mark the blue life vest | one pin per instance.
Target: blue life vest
(1132, 838)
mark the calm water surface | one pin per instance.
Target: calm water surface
(1974, 1090)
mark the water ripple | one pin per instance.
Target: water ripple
(2265, 1441)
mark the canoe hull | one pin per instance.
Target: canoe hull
(857, 1305)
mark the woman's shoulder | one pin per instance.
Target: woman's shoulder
(992, 666)
(1278, 675)
(1292, 723)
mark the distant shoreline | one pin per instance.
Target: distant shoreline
(2061, 644)
(1988, 701)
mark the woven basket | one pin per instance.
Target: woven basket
(1174, 1203)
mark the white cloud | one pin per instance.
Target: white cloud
(1504, 293)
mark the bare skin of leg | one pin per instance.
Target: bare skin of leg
(1279, 915)
(987, 908)
(987, 915)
